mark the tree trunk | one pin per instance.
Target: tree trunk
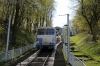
(43, 21)
(93, 33)
(15, 28)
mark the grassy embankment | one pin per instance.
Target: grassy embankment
(23, 39)
(66, 60)
(90, 51)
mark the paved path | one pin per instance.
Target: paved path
(59, 59)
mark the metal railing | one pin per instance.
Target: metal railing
(74, 61)
(15, 52)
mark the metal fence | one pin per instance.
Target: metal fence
(74, 61)
(15, 52)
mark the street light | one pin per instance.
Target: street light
(8, 33)
(68, 35)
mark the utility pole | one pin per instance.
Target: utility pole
(8, 34)
(68, 36)
(68, 32)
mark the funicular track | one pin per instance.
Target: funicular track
(40, 58)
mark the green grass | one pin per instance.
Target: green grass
(23, 39)
(64, 56)
(66, 60)
(92, 50)
(92, 63)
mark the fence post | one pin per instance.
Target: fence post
(27, 47)
(30, 46)
(12, 53)
(66, 51)
(83, 60)
(34, 43)
(20, 50)
(73, 58)
(67, 54)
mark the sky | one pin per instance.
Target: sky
(62, 7)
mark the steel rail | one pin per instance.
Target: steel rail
(34, 58)
(45, 60)
(27, 62)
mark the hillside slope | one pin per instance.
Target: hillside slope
(88, 48)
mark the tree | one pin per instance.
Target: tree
(90, 10)
(26, 14)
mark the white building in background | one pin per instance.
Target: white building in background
(59, 31)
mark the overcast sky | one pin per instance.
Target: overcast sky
(62, 7)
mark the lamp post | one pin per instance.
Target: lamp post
(8, 33)
(68, 36)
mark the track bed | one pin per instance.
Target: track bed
(59, 59)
